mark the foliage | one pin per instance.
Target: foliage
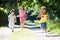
(3, 18)
(53, 8)
(53, 26)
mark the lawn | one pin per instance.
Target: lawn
(53, 27)
(2, 27)
(24, 34)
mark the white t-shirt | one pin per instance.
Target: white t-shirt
(11, 18)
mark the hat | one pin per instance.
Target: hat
(12, 10)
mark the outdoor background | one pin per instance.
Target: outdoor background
(32, 8)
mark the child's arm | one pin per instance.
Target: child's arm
(15, 19)
(25, 14)
(17, 15)
(47, 16)
(39, 16)
(8, 17)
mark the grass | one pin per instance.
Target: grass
(53, 27)
(1, 27)
(56, 31)
(24, 34)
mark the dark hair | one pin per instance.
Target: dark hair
(12, 10)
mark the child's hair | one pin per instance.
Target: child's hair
(12, 10)
(22, 6)
(43, 7)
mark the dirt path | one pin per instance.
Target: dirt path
(45, 36)
(6, 32)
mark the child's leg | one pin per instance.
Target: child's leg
(22, 22)
(12, 29)
(44, 30)
(43, 25)
(21, 25)
(12, 26)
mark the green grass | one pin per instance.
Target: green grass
(1, 28)
(53, 26)
(22, 35)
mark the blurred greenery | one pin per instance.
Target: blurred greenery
(53, 26)
(53, 9)
(3, 18)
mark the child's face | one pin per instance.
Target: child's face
(21, 7)
(12, 13)
(43, 10)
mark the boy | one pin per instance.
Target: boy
(12, 19)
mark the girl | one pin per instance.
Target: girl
(43, 15)
(22, 16)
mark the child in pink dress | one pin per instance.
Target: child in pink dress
(22, 16)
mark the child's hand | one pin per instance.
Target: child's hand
(17, 15)
(15, 21)
(38, 16)
(47, 16)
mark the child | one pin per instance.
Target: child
(12, 19)
(43, 15)
(22, 16)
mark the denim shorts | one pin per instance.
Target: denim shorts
(43, 25)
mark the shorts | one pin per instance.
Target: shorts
(43, 25)
(11, 25)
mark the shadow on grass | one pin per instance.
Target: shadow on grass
(52, 35)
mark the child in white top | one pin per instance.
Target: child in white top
(12, 19)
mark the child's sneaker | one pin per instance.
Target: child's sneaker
(12, 30)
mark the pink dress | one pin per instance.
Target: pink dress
(22, 15)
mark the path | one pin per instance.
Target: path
(6, 32)
(45, 36)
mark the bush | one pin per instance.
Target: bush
(53, 26)
(3, 18)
